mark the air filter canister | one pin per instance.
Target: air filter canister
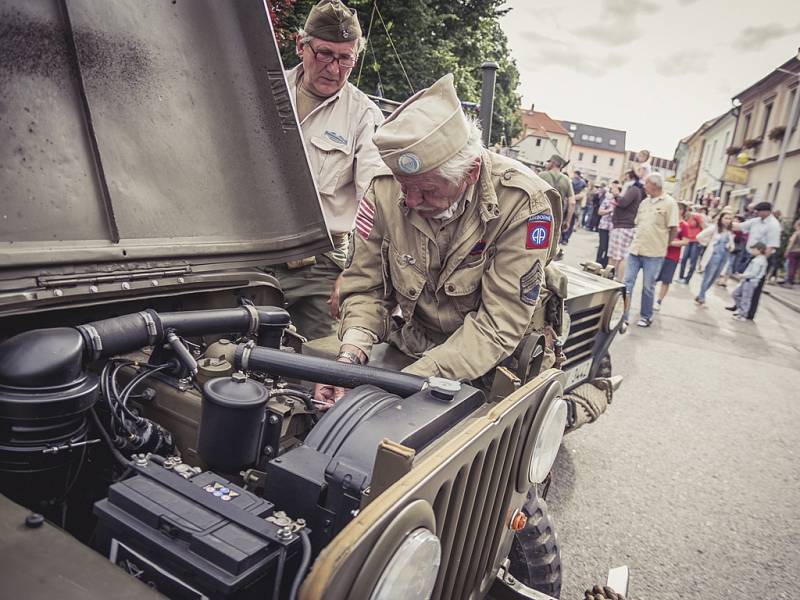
(234, 409)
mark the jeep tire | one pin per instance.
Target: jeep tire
(535, 558)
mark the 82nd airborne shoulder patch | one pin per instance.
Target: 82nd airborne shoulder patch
(530, 284)
(539, 232)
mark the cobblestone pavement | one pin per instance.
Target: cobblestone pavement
(692, 477)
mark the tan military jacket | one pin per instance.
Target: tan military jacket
(338, 139)
(468, 306)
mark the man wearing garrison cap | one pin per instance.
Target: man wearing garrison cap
(338, 122)
(455, 237)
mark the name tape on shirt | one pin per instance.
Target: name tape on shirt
(365, 218)
(539, 231)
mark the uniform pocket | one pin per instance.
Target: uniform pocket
(463, 286)
(407, 281)
(332, 159)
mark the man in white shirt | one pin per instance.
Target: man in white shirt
(764, 228)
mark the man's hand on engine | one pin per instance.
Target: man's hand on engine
(327, 395)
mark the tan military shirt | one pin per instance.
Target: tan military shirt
(653, 221)
(467, 286)
(338, 140)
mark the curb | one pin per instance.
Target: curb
(788, 303)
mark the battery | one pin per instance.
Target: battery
(195, 538)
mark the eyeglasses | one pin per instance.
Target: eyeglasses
(326, 57)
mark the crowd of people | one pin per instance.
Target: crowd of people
(641, 228)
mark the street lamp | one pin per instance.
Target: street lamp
(786, 134)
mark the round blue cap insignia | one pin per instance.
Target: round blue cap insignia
(409, 163)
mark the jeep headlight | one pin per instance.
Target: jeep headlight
(614, 317)
(411, 572)
(548, 431)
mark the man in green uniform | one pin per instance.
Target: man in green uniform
(338, 122)
(562, 184)
(455, 237)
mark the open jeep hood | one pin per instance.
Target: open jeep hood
(147, 135)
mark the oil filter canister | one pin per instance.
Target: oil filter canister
(234, 409)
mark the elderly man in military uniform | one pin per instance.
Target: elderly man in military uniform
(455, 237)
(338, 122)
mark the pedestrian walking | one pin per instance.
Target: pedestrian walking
(667, 272)
(691, 253)
(656, 226)
(764, 228)
(792, 255)
(571, 217)
(751, 278)
(719, 241)
(606, 224)
(624, 222)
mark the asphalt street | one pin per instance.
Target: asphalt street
(691, 478)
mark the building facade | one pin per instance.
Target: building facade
(690, 169)
(541, 137)
(597, 152)
(768, 110)
(713, 157)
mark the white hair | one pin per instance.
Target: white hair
(454, 169)
(657, 179)
(304, 39)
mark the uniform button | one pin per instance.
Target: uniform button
(412, 292)
(451, 288)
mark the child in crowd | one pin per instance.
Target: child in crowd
(670, 264)
(755, 271)
(605, 225)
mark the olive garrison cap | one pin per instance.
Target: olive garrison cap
(425, 131)
(332, 21)
(559, 161)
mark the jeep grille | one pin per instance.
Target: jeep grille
(583, 330)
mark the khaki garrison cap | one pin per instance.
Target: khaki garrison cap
(425, 131)
(332, 21)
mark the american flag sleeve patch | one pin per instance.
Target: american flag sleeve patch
(365, 218)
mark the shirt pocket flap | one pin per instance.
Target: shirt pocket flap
(406, 279)
(465, 280)
(331, 142)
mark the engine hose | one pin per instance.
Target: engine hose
(304, 562)
(125, 333)
(323, 370)
(107, 439)
(307, 400)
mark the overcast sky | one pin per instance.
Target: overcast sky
(654, 68)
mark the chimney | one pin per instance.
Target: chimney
(532, 105)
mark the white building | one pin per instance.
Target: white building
(713, 158)
(541, 137)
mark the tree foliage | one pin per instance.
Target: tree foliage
(431, 38)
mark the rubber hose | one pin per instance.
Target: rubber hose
(304, 562)
(323, 370)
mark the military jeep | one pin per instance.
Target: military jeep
(154, 438)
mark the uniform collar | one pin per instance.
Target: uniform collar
(293, 77)
(487, 197)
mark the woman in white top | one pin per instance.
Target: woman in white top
(719, 242)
